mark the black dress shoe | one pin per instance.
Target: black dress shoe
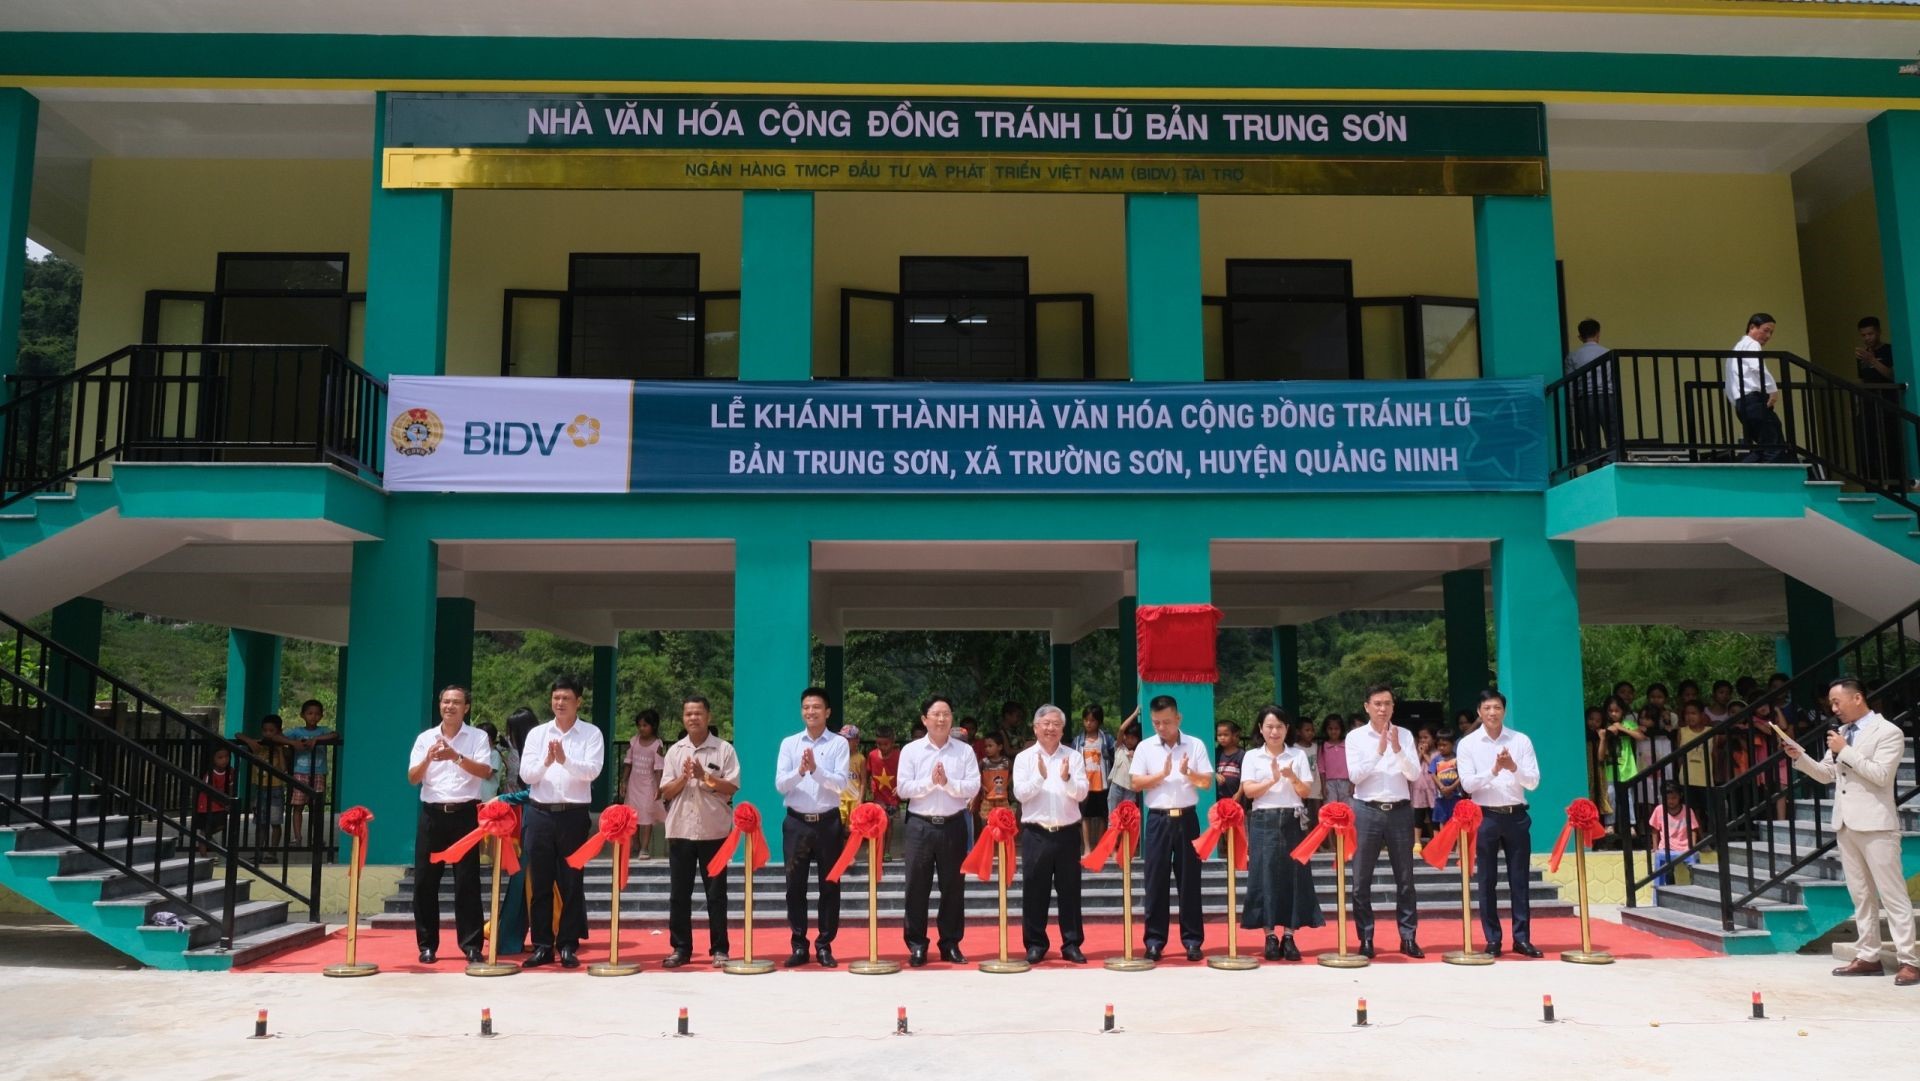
(1527, 949)
(797, 958)
(1493, 949)
(1153, 954)
(569, 957)
(1036, 954)
(1072, 955)
(427, 957)
(676, 959)
(475, 955)
(1195, 953)
(952, 955)
(916, 957)
(1272, 952)
(1411, 948)
(1289, 951)
(541, 955)
(1366, 946)
(824, 954)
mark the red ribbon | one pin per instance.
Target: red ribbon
(353, 823)
(869, 820)
(617, 824)
(746, 821)
(1465, 819)
(1583, 818)
(1334, 818)
(1000, 829)
(1124, 819)
(1229, 820)
(496, 820)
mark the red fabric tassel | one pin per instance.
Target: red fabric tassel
(617, 824)
(746, 821)
(1176, 642)
(1583, 818)
(1001, 828)
(869, 820)
(1226, 819)
(1334, 818)
(1124, 819)
(353, 823)
(496, 820)
(1465, 820)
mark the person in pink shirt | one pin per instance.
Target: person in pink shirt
(1675, 833)
(1337, 784)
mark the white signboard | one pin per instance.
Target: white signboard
(453, 434)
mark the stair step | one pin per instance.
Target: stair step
(1705, 903)
(58, 807)
(248, 916)
(207, 893)
(1859, 499)
(265, 942)
(29, 787)
(30, 837)
(73, 860)
(1685, 927)
(172, 873)
(1891, 517)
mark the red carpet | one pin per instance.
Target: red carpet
(394, 951)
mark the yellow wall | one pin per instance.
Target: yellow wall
(1840, 265)
(1399, 246)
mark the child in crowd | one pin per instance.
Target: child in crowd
(1675, 832)
(640, 778)
(1227, 758)
(1424, 787)
(210, 811)
(490, 786)
(996, 775)
(269, 789)
(1306, 737)
(1332, 766)
(1445, 771)
(1120, 777)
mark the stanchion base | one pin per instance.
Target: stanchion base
(1237, 963)
(1587, 957)
(1343, 960)
(874, 968)
(748, 968)
(611, 968)
(347, 971)
(1129, 964)
(1467, 957)
(1011, 964)
(493, 968)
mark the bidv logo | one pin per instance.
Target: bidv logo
(511, 438)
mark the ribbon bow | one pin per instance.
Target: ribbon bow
(497, 819)
(617, 824)
(1583, 818)
(1334, 818)
(353, 823)
(1226, 819)
(869, 820)
(1465, 820)
(1000, 829)
(746, 821)
(1125, 819)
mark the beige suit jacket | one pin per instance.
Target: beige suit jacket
(1863, 774)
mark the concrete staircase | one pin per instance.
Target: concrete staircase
(1874, 517)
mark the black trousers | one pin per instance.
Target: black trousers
(684, 858)
(1166, 844)
(1049, 866)
(1511, 834)
(935, 848)
(1375, 829)
(1762, 428)
(436, 830)
(817, 844)
(1592, 418)
(549, 837)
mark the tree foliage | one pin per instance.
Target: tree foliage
(49, 316)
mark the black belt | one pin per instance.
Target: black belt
(557, 808)
(1271, 811)
(1170, 812)
(1509, 809)
(938, 820)
(1385, 806)
(807, 817)
(449, 808)
(1753, 394)
(1048, 829)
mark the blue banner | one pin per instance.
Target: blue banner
(1083, 438)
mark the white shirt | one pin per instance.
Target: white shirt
(446, 782)
(1509, 787)
(817, 792)
(1600, 381)
(1054, 801)
(1376, 777)
(1746, 374)
(1175, 791)
(915, 783)
(566, 782)
(1261, 765)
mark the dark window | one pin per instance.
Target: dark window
(964, 318)
(1290, 319)
(634, 316)
(282, 298)
(1420, 337)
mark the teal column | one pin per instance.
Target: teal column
(606, 713)
(835, 658)
(1129, 660)
(1519, 298)
(1893, 143)
(1286, 671)
(389, 688)
(1177, 569)
(1163, 289)
(409, 235)
(1464, 596)
(776, 286)
(453, 646)
(770, 653)
(1060, 680)
(1536, 612)
(253, 680)
(339, 713)
(76, 625)
(1810, 636)
(19, 125)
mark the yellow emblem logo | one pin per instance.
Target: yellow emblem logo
(417, 432)
(584, 431)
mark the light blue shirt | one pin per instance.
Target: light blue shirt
(819, 791)
(305, 761)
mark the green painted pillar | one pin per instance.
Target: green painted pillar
(606, 713)
(76, 625)
(19, 125)
(1129, 660)
(1536, 612)
(776, 286)
(253, 680)
(1177, 569)
(1464, 595)
(836, 685)
(1519, 294)
(1060, 680)
(770, 658)
(389, 688)
(1163, 289)
(1893, 142)
(409, 234)
(453, 645)
(339, 713)
(1286, 671)
(1811, 636)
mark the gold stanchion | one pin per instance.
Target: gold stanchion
(352, 966)
(1586, 954)
(1003, 963)
(1341, 958)
(1232, 962)
(746, 965)
(613, 966)
(873, 966)
(1466, 954)
(1127, 962)
(492, 966)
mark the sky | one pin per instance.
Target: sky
(35, 251)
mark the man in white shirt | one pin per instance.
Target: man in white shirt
(1498, 768)
(699, 778)
(1049, 781)
(1382, 765)
(1593, 394)
(1169, 771)
(449, 762)
(939, 777)
(559, 762)
(1754, 394)
(810, 775)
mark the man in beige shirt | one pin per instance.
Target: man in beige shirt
(698, 782)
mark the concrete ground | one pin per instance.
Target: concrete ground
(73, 1010)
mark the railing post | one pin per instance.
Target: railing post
(1623, 832)
(231, 889)
(1717, 810)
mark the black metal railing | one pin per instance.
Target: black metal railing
(134, 790)
(1671, 406)
(1740, 786)
(190, 403)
